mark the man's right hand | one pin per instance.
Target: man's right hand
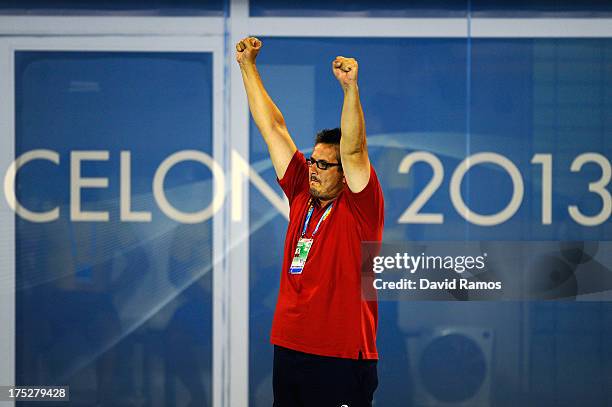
(266, 114)
(247, 50)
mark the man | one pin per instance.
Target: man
(324, 332)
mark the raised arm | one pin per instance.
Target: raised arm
(268, 118)
(353, 146)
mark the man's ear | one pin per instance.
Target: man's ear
(343, 179)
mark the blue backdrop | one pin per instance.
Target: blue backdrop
(119, 311)
(122, 311)
(518, 98)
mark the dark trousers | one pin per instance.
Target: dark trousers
(305, 380)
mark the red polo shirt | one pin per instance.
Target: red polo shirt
(321, 310)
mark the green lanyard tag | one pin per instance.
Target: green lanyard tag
(300, 255)
(303, 245)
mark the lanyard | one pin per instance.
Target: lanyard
(310, 210)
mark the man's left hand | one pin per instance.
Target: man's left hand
(345, 70)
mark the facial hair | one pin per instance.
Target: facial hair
(322, 195)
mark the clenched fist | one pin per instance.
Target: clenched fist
(345, 70)
(247, 50)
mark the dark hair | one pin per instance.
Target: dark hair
(328, 136)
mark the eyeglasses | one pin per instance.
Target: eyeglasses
(321, 164)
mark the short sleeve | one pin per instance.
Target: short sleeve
(368, 207)
(295, 179)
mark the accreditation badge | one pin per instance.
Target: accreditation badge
(301, 254)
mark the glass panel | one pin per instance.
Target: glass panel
(437, 8)
(521, 98)
(130, 7)
(414, 100)
(541, 8)
(119, 310)
(357, 8)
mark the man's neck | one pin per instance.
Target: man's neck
(323, 202)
